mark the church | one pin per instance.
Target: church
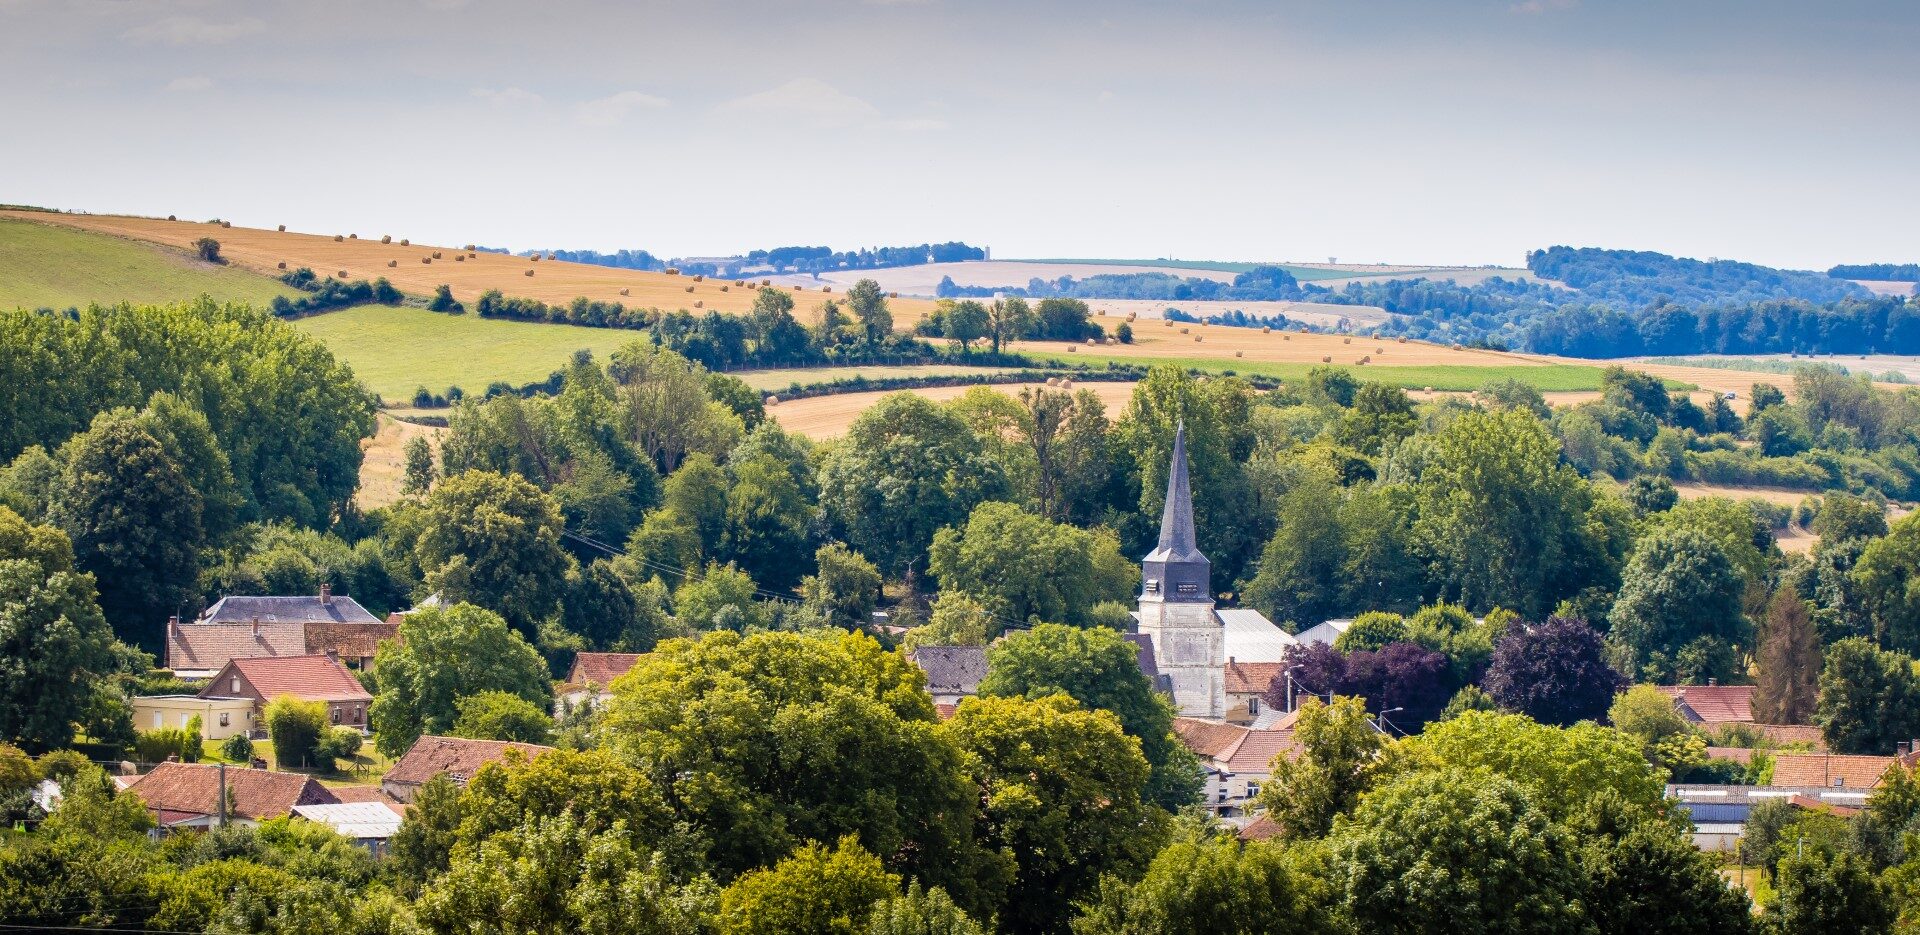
(1176, 603)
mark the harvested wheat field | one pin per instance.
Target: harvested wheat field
(829, 416)
(416, 269)
(384, 468)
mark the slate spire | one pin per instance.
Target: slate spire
(1176, 570)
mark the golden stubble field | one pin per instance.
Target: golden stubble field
(415, 270)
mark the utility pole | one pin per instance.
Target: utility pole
(223, 795)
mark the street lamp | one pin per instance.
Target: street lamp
(1289, 674)
(1380, 720)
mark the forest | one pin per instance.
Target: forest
(774, 763)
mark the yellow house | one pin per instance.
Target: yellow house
(220, 718)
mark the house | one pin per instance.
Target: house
(308, 678)
(1251, 637)
(456, 758)
(220, 717)
(188, 795)
(953, 672)
(198, 650)
(1247, 682)
(1323, 633)
(1712, 705)
(368, 824)
(1832, 771)
(590, 677)
(248, 627)
(1236, 760)
(1719, 813)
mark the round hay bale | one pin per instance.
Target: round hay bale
(893, 295)
(172, 218)
(529, 272)
(1326, 360)
(1403, 339)
(1066, 384)
(337, 238)
(1239, 353)
(699, 305)
(698, 277)
(386, 238)
(436, 254)
(1302, 329)
(623, 291)
(1198, 338)
(1130, 315)
(766, 282)
(473, 255)
(392, 263)
(772, 401)
(226, 224)
(723, 288)
(689, 288)
(1073, 348)
(283, 228)
(1286, 337)
(1379, 350)
(739, 282)
(826, 288)
(1089, 342)
(1346, 340)
(353, 236)
(1456, 347)
(1429, 389)
(1186, 330)
(459, 258)
(343, 274)
(283, 264)
(1053, 381)
(405, 243)
(469, 248)
(1266, 329)
(1101, 312)
(673, 271)
(535, 258)
(1168, 322)
(426, 259)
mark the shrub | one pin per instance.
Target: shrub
(237, 749)
(208, 249)
(155, 746)
(297, 728)
(339, 743)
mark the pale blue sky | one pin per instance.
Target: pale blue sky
(1411, 132)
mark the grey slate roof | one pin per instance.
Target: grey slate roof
(1177, 542)
(1142, 642)
(956, 669)
(304, 609)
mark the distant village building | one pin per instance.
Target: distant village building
(255, 627)
(368, 824)
(953, 672)
(456, 758)
(220, 717)
(308, 678)
(1711, 704)
(1176, 603)
(188, 795)
(1236, 760)
(591, 679)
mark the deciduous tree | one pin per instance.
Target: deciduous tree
(55, 646)
(444, 654)
(1555, 672)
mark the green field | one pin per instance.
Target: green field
(1547, 378)
(1302, 273)
(51, 267)
(782, 378)
(393, 350)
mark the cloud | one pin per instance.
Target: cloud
(182, 30)
(1534, 7)
(919, 124)
(505, 96)
(190, 83)
(613, 108)
(808, 101)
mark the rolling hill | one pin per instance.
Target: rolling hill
(43, 266)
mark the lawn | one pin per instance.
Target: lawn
(58, 267)
(393, 350)
(1543, 377)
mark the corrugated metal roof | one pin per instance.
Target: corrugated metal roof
(1251, 637)
(358, 820)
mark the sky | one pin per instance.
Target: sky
(1402, 131)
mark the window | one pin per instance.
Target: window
(223, 718)
(1253, 789)
(336, 715)
(1253, 706)
(159, 720)
(236, 685)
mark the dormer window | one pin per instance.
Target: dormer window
(1153, 585)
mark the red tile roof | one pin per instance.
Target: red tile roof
(1830, 770)
(363, 794)
(358, 640)
(1233, 748)
(194, 788)
(455, 757)
(1251, 678)
(1741, 755)
(600, 668)
(311, 678)
(1260, 829)
(205, 646)
(1712, 704)
(1794, 733)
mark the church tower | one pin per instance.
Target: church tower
(1176, 602)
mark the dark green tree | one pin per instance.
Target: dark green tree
(494, 540)
(844, 588)
(1869, 698)
(56, 649)
(498, 715)
(1822, 893)
(1678, 595)
(441, 655)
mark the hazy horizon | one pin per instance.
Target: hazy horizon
(1398, 131)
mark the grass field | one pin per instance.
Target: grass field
(393, 350)
(417, 272)
(1546, 378)
(54, 267)
(384, 464)
(776, 380)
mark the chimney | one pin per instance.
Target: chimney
(173, 624)
(1711, 681)
(333, 654)
(256, 628)
(1900, 749)
(326, 594)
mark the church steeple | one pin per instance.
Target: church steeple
(1175, 570)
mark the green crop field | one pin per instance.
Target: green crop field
(393, 350)
(54, 267)
(1547, 377)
